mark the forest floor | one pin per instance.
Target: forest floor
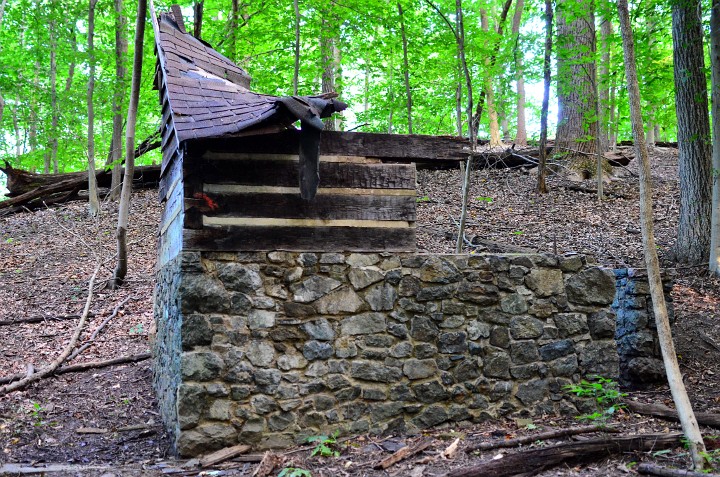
(105, 422)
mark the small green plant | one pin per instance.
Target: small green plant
(518, 232)
(36, 414)
(136, 329)
(9, 240)
(326, 445)
(608, 398)
(294, 472)
(484, 199)
(423, 199)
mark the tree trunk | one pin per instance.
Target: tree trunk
(577, 97)
(406, 68)
(715, 64)
(71, 66)
(296, 72)
(119, 94)
(521, 134)
(124, 209)
(198, 8)
(488, 86)
(542, 159)
(19, 144)
(32, 135)
(604, 80)
(234, 25)
(329, 56)
(51, 153)
(694, 140)
(94, 202)
(672, 369)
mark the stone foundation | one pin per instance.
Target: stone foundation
(268, 348)
(636, 334)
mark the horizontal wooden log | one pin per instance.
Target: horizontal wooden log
(332, 174)
(323, 206)
(533, 461)
(273, 222)
(243, 189)
(398, 147)
(664, 412)
(237, 156)
(310, 239)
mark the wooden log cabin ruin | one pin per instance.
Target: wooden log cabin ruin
(288, 306)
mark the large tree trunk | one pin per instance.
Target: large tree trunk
(124, 209)
(604, 81)
(672, 369)
(94, 202)
(488, 88)
(542, 159)
(198, 8)
(694, 140)
(296, 71)
(521, 134)
(406, 68)
(119, 94)
(330, 54)
(715, 63)
(577, 97)
(52, 148)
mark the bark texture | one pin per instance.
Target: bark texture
(672, 368)
(94, 202)
(119, 93)
(488, 88)
(542, 158)
(521, 133)
(694, 143)
(577, 97)
(714, 264)
(406, 68)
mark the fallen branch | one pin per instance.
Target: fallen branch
(541, 436)
(41, 319)
(533, 461)
(664, 412)
(66, 352)
(403, 453)
(223, 454)
(75, 368)
(94, 334)
(652, 469)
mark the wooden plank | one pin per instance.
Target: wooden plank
(323, 206)
(404, 148)
(333, 174)
(223, 454)
(245, 189)
(213, 155)
(273, 222)
(310, 239)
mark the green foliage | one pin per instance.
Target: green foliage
(326, 445)
(36, 414)
(484, 199)
(136, 329)
(605, 393)
(422, 199)
(294, 472)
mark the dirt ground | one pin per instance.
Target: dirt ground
(104, 421)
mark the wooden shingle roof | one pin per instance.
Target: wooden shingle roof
(209, 95)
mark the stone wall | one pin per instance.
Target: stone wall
(268, 348)
(636, 333)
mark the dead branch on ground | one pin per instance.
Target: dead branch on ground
(535, 460)
(41, 319)
(403, 453)
(97, 331)
(664, 412)
(541, 436)
(652, 469)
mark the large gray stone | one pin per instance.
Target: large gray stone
(431, 416)
(438, 270)
(453, 342)
(364, 277)
(526, 327)
(420, 368)
(206, 438)
(288, 361)
(497, 365)
(260, 319)
(556, 349)
(344, 300)
(201, 293)
(363, 324)
(239, 277)
(196, 331)
(514, 303)
(646, 370)
(260, 354)
(262, 404)
(201, 366)
(545, 282)
(432, 391)
(317, 350)
(320, 330)
(524, 352)
(601, 358)
(313, 288)
(381, 297)
(357, 260)
(371, 371)
(571, 324)
(532, 391)
(422, 328)
(594, 286)
(602, 324)
(478, 329)
(191, 402)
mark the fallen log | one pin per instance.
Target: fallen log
(76, 368)
(652, 469)
(403, 453)
(664, 412)
(536, 460)
(33, 191)
(541, 436)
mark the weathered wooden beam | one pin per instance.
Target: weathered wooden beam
(402, 148)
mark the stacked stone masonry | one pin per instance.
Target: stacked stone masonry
(269, 348)
(636, 334)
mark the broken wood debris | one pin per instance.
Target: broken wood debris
(540, 436)
(223, 454)
(403, 453)
(652, 469)
(664, 412)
